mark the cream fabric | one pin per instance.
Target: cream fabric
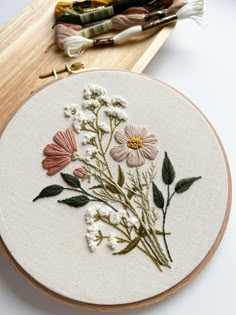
(48, 239)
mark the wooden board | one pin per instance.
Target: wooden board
(26, 51)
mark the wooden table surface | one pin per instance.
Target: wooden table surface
(27, 50)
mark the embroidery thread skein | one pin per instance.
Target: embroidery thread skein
(118, 23)
(74, 46)
(65, 30)
(78, 6)
(105, 12)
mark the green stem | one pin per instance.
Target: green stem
(164, 212)
(164, 235)
(92, 196)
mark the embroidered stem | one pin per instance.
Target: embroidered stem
(164, 212)
(146, 251)
(81, 190)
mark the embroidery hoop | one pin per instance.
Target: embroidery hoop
(173, 289)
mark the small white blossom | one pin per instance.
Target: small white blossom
(92, 246)
(90, 215)
(70, 110)
(116, 218)
(132, 221)
(90, 237)
(94, 228)
(88, 138)
(90, 104)
(80, 119)
(103, 127)
(112, 241)
(104, 100)
(116, 113)
(105, 212)
(90, 153)
(122, 213)
(119, 102)
(93, 91)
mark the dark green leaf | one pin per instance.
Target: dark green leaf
(49, 191)
(129, 247)
(71, 180)
(158, 197)
(76, 202)
(185, 184)
(121, 177)
(168, 172)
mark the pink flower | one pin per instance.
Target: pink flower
(135, 144)
(60, 154)
(80, 171)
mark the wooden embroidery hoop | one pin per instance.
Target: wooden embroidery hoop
(154, 299)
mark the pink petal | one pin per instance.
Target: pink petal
(80, 172)
(151, 138)
(143, 132)
(119, 152)
(121, 137)
(132, 131)
(66, 140)
(149, 151)
(71, 137)
(55, 150)
(54, 165)
(135, 158)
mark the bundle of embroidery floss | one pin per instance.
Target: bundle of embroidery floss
(65, 30)
(74, 46)
(109, 11)
(117, 23)
(80, 5)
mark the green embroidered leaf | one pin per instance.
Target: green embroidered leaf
(96, 187)
(76, 202)
(109, 187)
(130, 194)
(71, 180)
(142, 231)
(168, 172)
(121, 177)
(158, 197)
(112, 188)
(49, 191)
(185, 184)
(129, 247)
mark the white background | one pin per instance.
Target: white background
(201, 64)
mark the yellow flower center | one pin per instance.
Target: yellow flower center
(135, 143)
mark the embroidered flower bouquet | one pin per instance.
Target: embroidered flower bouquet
(125, 209)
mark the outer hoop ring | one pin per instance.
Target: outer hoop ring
(156, 298)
